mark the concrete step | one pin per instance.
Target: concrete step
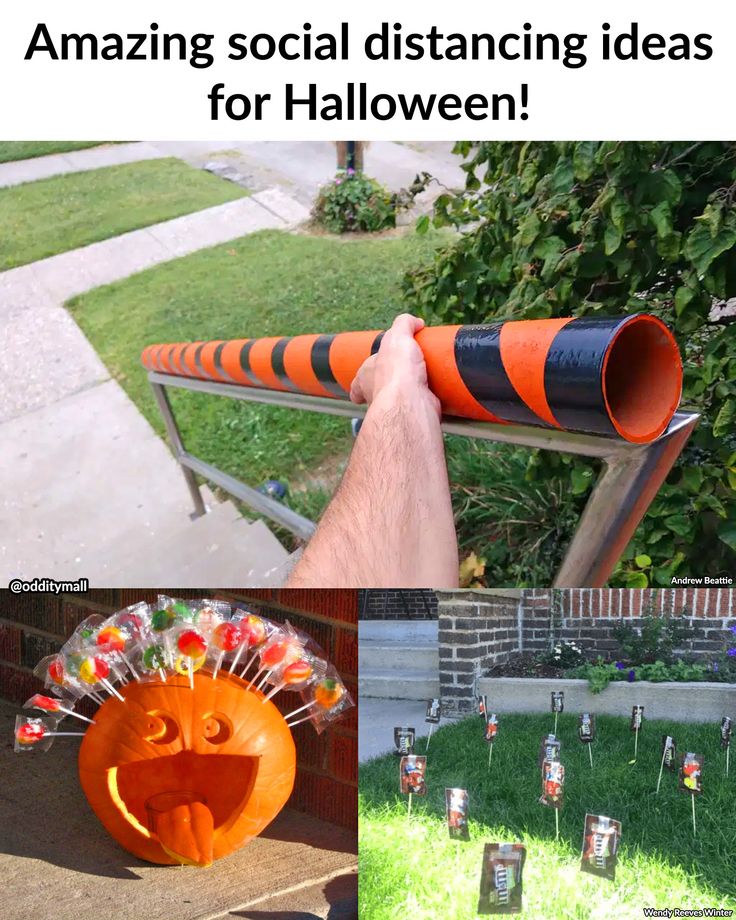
(373, 654)
(417, 632)
(220, 549)
(406, 684)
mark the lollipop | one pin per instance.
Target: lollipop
(114, 639)
(281, 649)
(297, 675)
(37, 734)
(255, 630)
(226, 638)
(50, 705)
(56, 678)
(328, 698)
(150, 659)
(94, 669)
(189, 646)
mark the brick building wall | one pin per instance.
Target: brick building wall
(32, 626)
(589, 615)
(374, 604)
(477, 630)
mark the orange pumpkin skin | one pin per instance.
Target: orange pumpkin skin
(221, 759)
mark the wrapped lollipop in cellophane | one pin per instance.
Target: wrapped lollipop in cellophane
(37, 734)
(255, 632)
(323, 702)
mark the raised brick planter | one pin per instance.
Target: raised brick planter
(684, 702)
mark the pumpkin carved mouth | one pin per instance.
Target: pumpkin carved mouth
(205, 793)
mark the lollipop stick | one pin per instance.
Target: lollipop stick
(590, 752)
(272, 692)
(110, 689)
(490, 755)
(130, 666)
(557, 824)
(429, 736)
(218, 663)
(728, 751)
(255, 677)
(636, 744)
(301, 709)
(162, 674)
(64, 735)
(264, 679)
(236, 659)
(408, 814)
(95, 696)
(253, 657)
(695, 831)
(190, 669)
(661, 769)
(299, 721)
(556, 714)
(76, 715)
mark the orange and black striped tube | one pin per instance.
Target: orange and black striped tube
(615, 376)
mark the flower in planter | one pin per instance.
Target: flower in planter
(715, 667)
(732, 652)
(620, 665)
(631, 676)
(733, 628)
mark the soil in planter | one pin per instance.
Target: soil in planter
(525, 665)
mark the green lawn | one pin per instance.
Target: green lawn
(28, 150)
(269, 283)
(40, 219)
(410, 868)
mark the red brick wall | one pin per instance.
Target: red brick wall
(32, 626)
(589, 615)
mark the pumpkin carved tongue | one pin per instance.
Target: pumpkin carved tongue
(185, 832)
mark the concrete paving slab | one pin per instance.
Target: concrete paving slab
(19, 171)
(57, 862)
(76, 474)
(44, 356)
(377, 720)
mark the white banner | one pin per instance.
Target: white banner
(173, 70)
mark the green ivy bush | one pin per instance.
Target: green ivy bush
(352, 202)
(556, 229)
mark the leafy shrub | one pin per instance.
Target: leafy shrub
(600, 674)
(656, 639)
(523, 525)
(584, 228)
(352, 201)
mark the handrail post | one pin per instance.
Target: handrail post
(172, 430)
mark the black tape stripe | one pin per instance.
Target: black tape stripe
(198, 359)
(217, 360)
(377, 342)
(478, 359)
(245, 364)
(183, 360)
(170, 360)
(277, 363)
(573, 379)
(321, 365)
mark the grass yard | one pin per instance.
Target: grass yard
(410, 868)
(55, 215)
(269, 283)
(28, 150)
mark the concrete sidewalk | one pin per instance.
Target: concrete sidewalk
(57, 862)
(83, 477)
(377, 720)
(57, 164)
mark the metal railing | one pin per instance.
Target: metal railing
(631, 476)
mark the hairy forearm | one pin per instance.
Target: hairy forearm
(390, 523)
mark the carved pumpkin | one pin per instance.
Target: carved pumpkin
(187, 776)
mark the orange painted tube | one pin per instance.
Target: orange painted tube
(619, 377)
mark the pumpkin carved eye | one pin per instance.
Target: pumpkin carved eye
(161, 727)
(217, 728)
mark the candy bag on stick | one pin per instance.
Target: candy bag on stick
(37, 734)
(491, 728)
(549, 749)
(412, 773)
(725, 732)
(434, 711)
(456, 811)
(691, 773)
(601, 839)
(553, 783)
(558, 701)
(501, 881)
(586, 728)
(404, 738)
